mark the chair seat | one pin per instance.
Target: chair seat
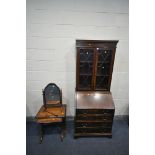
(53, 102)
(51, 114)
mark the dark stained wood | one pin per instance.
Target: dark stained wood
(94, 113)
(78, 68)
(94, 106)
(108, 134)
(111, 69)
(97, 43)
(93, 124)
(94, 117)
(94, 100)
(95, 68)
(94, 45)
(93, 130)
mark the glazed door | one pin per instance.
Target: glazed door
(85, 68)
(103, 69)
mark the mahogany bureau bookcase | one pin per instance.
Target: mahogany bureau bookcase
(94, 104)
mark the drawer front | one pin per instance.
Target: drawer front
(93, 124)
(94, 117)
(92, 130)
(95, 111)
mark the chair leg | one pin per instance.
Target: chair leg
(63, 130)
(41, 134)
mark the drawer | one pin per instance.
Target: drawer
(93, 124)
(95, 111)
(92, 130)
(94, 117)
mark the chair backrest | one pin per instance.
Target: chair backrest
(52, 95)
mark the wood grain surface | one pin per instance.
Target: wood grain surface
(51, 114)
(94, 100)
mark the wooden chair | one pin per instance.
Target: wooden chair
(52, 111)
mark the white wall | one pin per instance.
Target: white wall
(52, 28)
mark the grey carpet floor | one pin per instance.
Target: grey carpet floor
(52, 145)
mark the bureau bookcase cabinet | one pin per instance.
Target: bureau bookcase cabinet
(94, 104)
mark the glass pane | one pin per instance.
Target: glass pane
(86, 68)
(104, 55)
(85, 82)
(103, 68)
(86, 55)
(102, 82)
